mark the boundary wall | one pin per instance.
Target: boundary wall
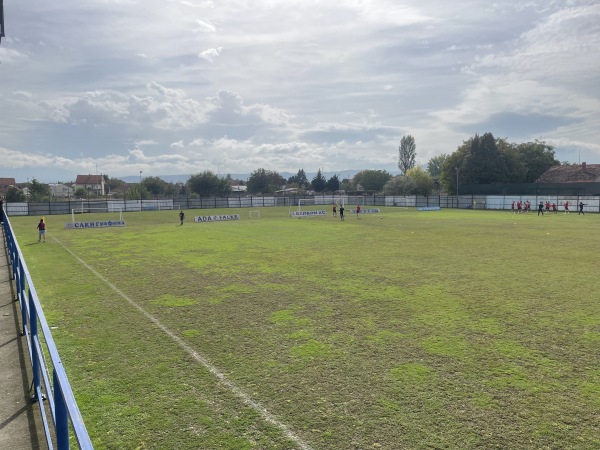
(493, 202)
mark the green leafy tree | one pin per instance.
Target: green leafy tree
(14, 195)
(346, 185)
(538, 158)
(435, 165)
(423, 182)
(171, 189)
(113, 184)
(81, 192)
(407, 154)
(372, 180)
(400, 185)
(516, 169)
(319, 183)
(299, 179)
(155, 185)
(207, 184)
(137, 191)
(484, 163)
(451, 169)
(333, 184)
(264, 181)
(38, 191)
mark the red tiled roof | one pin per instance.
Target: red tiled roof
(89, 179)
(5, 182)
(574, 173)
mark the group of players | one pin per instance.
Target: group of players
(335, 209)
(525, 207)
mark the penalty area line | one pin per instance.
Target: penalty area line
(235, 389)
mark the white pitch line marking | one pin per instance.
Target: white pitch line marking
(239, 392)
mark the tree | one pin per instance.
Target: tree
(207, 184)
(451, 169)
(415, 182)
(399, 185)
(319, 183)
(372, 180)
(333, 184)
(516, 169)
(423, 182)
(346, 185)
(38, 191)
(155, 185)
(300, 179)
(484, 164)
(113, 183)
(81, 192)
(14, 195)
(263, 181)
(538, 158)
(435, 164)
(137, 191)
(407, 153)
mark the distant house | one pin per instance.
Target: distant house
(94, 184)
(573, 173)
(60, 190)
(5, 183)
(237, 186)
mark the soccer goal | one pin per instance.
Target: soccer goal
(255, 214)
(306, 208)
(354, 200)
(168, 206)
(107, 213)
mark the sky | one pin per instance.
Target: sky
(149, 88)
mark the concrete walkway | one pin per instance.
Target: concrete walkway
(20, 422)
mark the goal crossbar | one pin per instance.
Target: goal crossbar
(92, 210)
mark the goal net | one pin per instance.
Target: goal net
(255, 214)
(306, 208)
(92, 214)
(354, 200)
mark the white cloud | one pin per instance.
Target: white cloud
(302, 82)
(210, 54)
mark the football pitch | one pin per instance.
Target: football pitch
(452, 329)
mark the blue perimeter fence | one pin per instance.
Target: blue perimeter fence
(53, 395)
(493, 202)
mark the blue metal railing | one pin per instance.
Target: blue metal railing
(65, 415)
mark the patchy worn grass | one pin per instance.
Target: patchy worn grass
(450, 329)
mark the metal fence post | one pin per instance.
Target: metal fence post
(61, 419)
(35, 359)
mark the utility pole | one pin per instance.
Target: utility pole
(457, 201)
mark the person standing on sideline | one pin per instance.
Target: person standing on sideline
(41, 231)
(566, 205)
(357, 210)
(335, 209)
(541, 208)
(581, 205)
(342, 211)
(181, 217)
(512, 207)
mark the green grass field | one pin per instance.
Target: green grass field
(417, 330)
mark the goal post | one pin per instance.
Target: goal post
(254, 214)
(307, 207)
(109, 211)
(357, 200)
